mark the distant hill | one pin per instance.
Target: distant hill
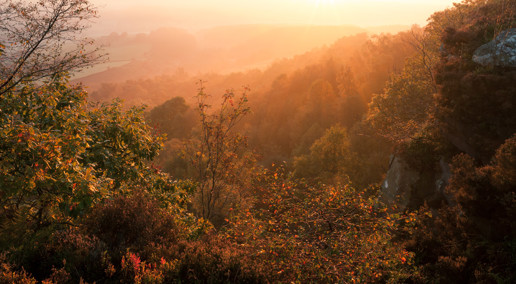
(391, 29)
(220, 50)
(153, 90)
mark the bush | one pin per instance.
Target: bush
(132, 222)
(320, 234)
(213, 260)
(80, 256)
(10, 275)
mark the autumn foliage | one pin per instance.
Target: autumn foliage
(280, 185)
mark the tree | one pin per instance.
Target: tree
(218, 156)
(475, 106)
(58, 156)
(329, 156)
(41, 39)
(174, 117)
(471, 238)
(405, 106)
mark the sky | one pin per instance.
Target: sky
(135, 16)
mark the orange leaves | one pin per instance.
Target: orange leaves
(330, 234)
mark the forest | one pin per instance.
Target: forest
(377, 158)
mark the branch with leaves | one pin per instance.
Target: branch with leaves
(41, 39)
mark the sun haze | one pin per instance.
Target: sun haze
(137, 16)
(257, 141)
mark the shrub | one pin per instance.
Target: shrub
(320, 234)
(214, 260)
(132, 222)
(80, 256)
(9, 275)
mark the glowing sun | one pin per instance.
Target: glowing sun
(323, 2)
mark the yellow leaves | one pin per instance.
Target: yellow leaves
(87, 174)
(92, 188)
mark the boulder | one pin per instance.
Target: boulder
(407, 188)
(499, 52)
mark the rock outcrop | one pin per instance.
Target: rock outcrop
(499, 52)
(409, 189)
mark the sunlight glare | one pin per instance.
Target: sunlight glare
(322, 2)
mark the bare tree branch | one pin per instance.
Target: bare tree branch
(42, 39)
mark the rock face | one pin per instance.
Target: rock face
(409, 189)
(499, 52)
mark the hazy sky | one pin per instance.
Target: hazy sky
(144, 15)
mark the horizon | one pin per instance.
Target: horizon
(133, 17)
